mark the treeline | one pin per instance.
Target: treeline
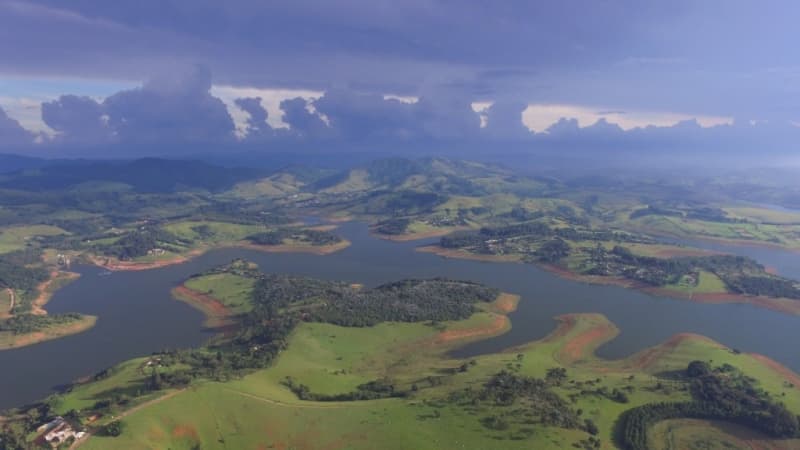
(373, 390)
(705, 213)
(17, 276)
(534, 231)
(281, 301)
(770, 286)
(280, 235)
(530, 400)
(393, 226)
(740, 274)
(717, 394)
(30, 323)
(139, 242)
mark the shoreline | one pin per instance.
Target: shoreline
(580, 348)
(500, 323)
(781, 305)
(217, 315)
(46, 290)
(119, 266)
(15, 341)
(407, 237)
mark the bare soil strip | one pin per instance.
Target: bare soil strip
(217, 314)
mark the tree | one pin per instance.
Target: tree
(114, 428)
(556, 375)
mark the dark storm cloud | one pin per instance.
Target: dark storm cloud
(359, 116)
(257, 126)
(76, 119)
(170, 108)
(679, 56)
(302, 122)
(726, 58)
(12, 133)
(174, 108)
(504, 120)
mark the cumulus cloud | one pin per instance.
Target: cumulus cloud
(504, 120)
(12, 133)
(302, 121)
(257, 126)
(76, 119)
(170, 108)
(361, 116)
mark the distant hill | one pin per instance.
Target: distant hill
(443, 176)
(142, 175)
(13, 163)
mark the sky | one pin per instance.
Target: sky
(95, 77)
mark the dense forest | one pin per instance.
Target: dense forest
(30, 323)
(20, 277)
(722, 393)
(281, 301)
(281, 235)
(141, 242)
(539, 242)
(510, 403)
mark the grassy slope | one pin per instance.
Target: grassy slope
(15, 238)
(258, 412)
(231, 290)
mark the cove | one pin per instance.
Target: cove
(137, 315)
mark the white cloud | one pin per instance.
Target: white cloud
(482, 108)
(270, 100)
(407, 99)
(538, 117)
(27, 111)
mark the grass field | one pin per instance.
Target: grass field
(219, 231)
(706, 283)
(691, 434)
(785, 235)
(257, 411)
(231, 290)
(16, 238)
(764, 215)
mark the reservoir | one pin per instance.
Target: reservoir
(138, 316)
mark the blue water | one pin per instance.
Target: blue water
(137, 315)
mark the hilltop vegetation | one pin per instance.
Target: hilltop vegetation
(391, 383)
(607, 253)
(291, 348)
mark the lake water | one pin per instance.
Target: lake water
(137, 315)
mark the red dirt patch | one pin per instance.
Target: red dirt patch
(43, 289)
(583, 345)
(217, 314)
(498, 325)
(506, 303)
(185, 431)
(566, 323)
